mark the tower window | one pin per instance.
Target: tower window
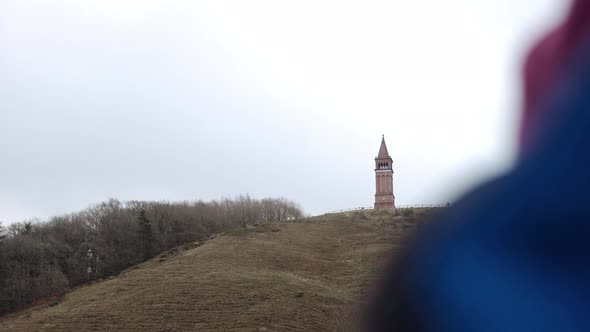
(383, 165)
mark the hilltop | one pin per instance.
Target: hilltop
(307, 275)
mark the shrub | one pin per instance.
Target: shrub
(408, 212)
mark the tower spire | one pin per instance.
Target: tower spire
(383, 153)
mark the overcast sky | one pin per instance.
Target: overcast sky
(183, 100)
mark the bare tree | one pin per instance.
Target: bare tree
(40, 258)
(2, 231)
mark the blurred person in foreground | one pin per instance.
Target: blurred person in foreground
(513, 254)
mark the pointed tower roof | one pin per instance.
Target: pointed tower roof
(383, 150)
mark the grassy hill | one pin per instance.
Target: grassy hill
(302, 276)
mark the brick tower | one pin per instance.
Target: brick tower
(384, 197)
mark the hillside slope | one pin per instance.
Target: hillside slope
(304, 276)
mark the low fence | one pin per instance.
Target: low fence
(415, 206)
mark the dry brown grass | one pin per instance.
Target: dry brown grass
(303, 276)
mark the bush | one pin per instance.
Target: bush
(408, 212)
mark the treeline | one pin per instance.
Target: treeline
(38, 259)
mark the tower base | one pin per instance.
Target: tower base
(384, 201)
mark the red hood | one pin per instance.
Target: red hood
(544, 62)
